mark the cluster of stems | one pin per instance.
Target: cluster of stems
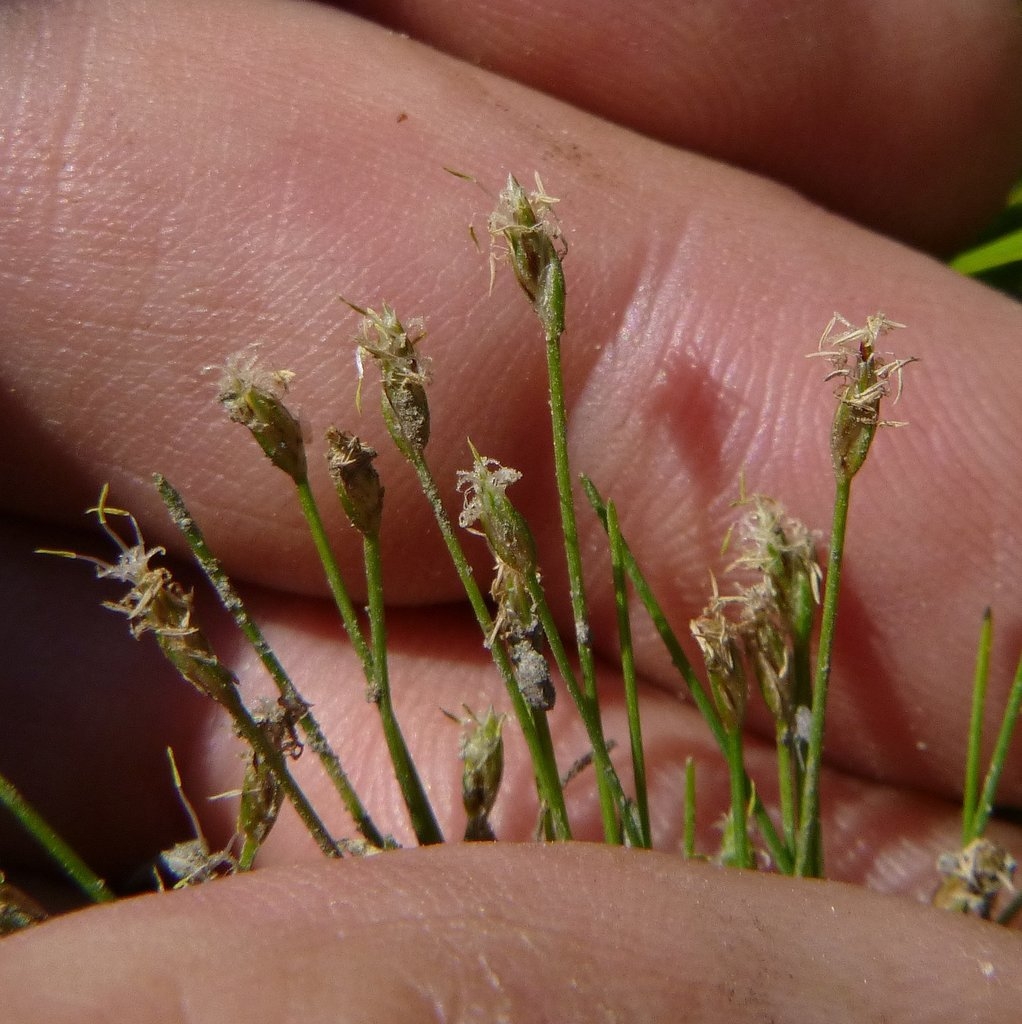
(157, 604)
(762, 634)
(256, 399)
(976, 875)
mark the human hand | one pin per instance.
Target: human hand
(182, 186)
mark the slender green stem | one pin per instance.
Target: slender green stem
(424, 822)
(588, 711)
(572, 550)
(778, 850)
(787, 785)
(249, 848)
(333, 576)
(974, 751)
(689, 833)
(809, 847)
(801, 642)
(1000, 754)
(70, 863)
(741, 852)
(802, 674)
(628, 671)
(536, 264)
(667, 635)
(306, 721)
(569, 524)
(228, 697)
(545, 743)
(544, 763)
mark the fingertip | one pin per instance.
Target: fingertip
(566, 933)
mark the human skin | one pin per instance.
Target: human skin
(181, 180)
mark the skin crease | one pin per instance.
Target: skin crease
(165, 209)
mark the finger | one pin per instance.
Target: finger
(511, 932)
(686, 354)
(872, 112)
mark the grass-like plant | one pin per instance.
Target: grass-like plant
(772, 634)
(997, 255)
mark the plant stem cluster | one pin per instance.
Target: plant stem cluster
(762, 634)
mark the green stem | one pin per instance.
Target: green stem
(307, 722)
(645, 594)
(424, 822)
(970, 792)
(70, 863)
(809, 846)
(1000, 754)
(227, 696)
(778, 851)
(544, 763)
(787, 784)
(628, 672)
(249, 849)
(572, 550)
(739, 782)
(588, 710)
(802, 674)
(801, 642)
(333, 576)
(689, 834)
(545, 743)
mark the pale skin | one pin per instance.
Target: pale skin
(181, 181)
